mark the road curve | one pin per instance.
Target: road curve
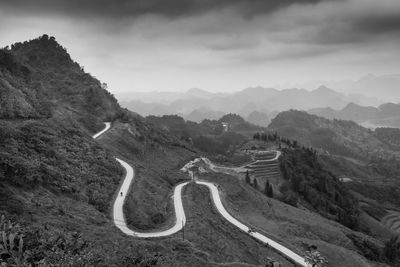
(106, 128)
(118, 212)
(119, 220)
(220, 207)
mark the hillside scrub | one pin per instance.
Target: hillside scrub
(38, 79)
(58, 157)
(338, 137)
(208, 136)
(317, 187)
(23, 245)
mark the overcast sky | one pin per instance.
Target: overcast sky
(217, 45)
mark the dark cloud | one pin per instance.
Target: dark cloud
(213, 43)
(169, 8)
(380, 24)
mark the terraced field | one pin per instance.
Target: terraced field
(265, 168)
(392, 221)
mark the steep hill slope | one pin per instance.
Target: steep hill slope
(55, 180)
(338, 137)
(38, 79)
(58, 183)
(386, 115)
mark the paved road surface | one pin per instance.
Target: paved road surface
(118, 212)
(106, 128)
(220, 207)
(119, 219)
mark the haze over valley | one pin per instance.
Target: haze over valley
(200, 133)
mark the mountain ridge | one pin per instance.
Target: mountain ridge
(386, 114)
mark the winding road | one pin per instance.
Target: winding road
(118, 211)
(119, 220)
(106, 128)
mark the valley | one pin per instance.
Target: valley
(85, 182)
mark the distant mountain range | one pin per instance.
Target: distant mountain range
(383, 87)
(385, 115)
(257, 104)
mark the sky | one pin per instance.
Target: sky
(216, 45)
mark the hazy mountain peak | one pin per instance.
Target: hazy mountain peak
(196, 91)
(258, 89)
(324, 89)
(367, 77)
(231, 118)
(351, 105)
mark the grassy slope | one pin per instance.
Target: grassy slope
(215, 238)
(149, 204)
(338, 137)
(292, 226)
(210, 240)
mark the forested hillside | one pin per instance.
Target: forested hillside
(311, 185)
(337, 137)
(57, 183)
(210, 136)
(38, 79)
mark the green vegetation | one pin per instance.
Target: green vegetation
(296, 228)
(317, 187)
(390, 136)
(337, 137)
(57, 183)
(208, 136)
(47, 246)
(216, 240)
(38, 79)
(268, 190)
(255, 184)
(315, 259)
(392, 250)
(59, 157)
(247, 178)
(11, 247)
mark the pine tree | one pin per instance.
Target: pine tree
(392, 249)
(270, 191)
(266, 189)
(255, 184)
(247, 177)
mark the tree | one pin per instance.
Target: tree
(270, 191)
(255, 183)
(248, 181)
(392, 249)
(256, 136)
(266, 189)
(315, 259)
